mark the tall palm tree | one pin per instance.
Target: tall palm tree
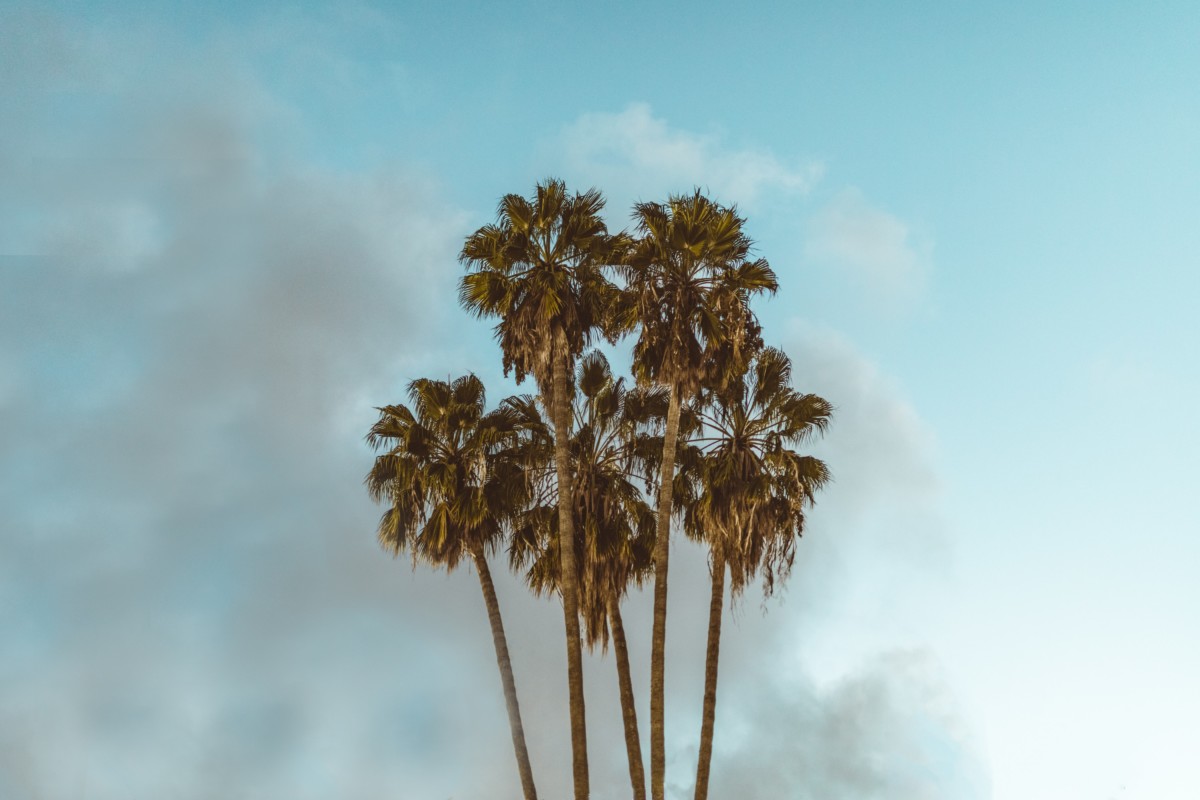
(539, 268)
(689, 278)
(452, 477)
(613, 524)
(753, 489)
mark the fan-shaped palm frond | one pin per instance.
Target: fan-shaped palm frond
(540, 269)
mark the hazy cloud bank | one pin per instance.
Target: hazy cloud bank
(195, 323)
(887, 730)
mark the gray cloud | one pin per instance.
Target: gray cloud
(887, 730)
(195, 322)
(195, 325)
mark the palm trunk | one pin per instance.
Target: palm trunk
(658, 761)
(633, 744)
(710, 673)
(506, 674)
(561, 408)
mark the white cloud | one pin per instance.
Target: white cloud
(633, 153)
(876, 248)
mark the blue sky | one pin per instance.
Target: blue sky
(226, 233)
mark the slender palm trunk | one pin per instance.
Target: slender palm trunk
(506, 674)
(658, 760)
(633, 744)
(561, 408)
(710, 673)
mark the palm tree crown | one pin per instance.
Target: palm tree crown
(611, 450)
(690, 277)
(753, 485)
(450, 475)
(539, 268)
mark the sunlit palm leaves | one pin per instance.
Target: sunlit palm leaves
(754, 486)
(540, 269)
(690, 276)
(614, 524)
(449, 474)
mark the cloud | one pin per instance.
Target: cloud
(873, 247)
(194, 324)
(889, 451)
(634, 153)
(824, 692)
(886, 730)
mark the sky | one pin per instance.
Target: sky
(229, 231)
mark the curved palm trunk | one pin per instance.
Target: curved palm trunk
(569, 577)
(506, 674)
(710, 674)
(658, 761)
(633, 744)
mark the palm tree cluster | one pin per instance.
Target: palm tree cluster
(579, 482)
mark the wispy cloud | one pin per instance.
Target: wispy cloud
(875, 248)
(633, 152)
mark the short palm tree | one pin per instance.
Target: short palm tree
(752, 492)
(689, 279)
(613, 523)
(452, 477)
(539, 268)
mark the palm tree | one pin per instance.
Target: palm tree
(453, 479)
(689, 279)
(752, 493)
(539, 269)
(613, 523)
